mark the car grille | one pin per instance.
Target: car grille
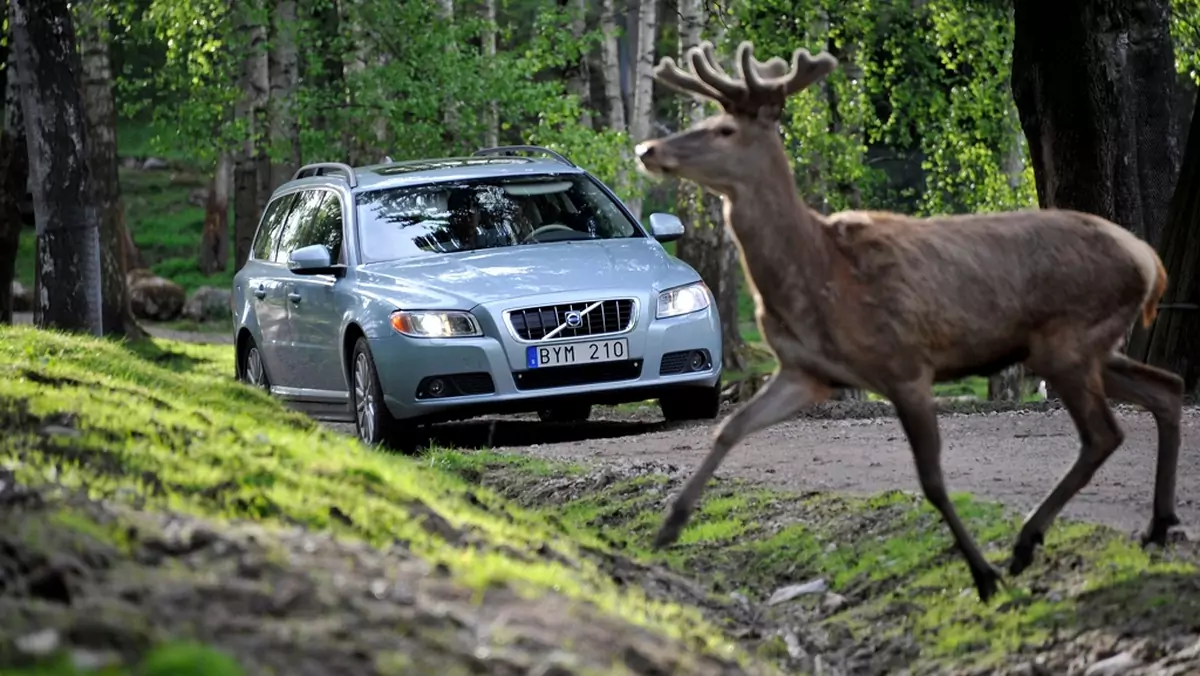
(533, 323)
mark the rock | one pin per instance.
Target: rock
(832, 603)
(208, 303)
(130, 162)
(22, 298)
(1114, 666)
(152, 297)
(198, 197)
(154, 164)
(790, 592)
(39, 643)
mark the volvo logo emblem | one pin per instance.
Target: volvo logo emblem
(574, 319)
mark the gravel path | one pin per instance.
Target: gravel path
(1014, 458)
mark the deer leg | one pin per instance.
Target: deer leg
(784, 395)
(918, 417)
(1161, 393)
(1082, 393)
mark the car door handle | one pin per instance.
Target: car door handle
(294, 297)
(260, 292)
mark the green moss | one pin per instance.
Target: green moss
(166, 423)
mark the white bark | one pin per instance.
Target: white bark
(643, 85)
(580, 83)
(492, 121)
(611, 61)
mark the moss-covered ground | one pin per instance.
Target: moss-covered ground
(149, 500)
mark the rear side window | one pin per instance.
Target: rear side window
(298, 220)
(268, 231)
(325, 228)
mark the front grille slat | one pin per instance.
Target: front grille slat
(611, 316)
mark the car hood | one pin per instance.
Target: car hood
(463, 280)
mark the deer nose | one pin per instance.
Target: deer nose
(644, 149)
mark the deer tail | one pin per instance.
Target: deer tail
(1150, 307)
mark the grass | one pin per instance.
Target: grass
(891, 556)
(161, 425)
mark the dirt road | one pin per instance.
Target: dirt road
(1014, 458)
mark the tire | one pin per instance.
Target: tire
(693, 403)
(373, 423)
(567, 413)
(251, 369)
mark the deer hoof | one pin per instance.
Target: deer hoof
(672, 526)
(987, 580)
(1156, 532)
(1022, 554)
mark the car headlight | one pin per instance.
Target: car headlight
(682, 299)
(435, 324)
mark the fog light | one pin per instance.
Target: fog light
(698, 361)
(436, 387)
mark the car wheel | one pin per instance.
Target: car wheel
(693, 403)
(253, 372)
(568, 413)
(372, 420)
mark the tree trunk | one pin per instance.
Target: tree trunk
(491, 124)
(579, 82)
(330, 81)
(249, 178)
(706, 244)
(117, 316)
(611, 59)
(1009, 383)
(68, 223)
(1089, 80)
(214, 242)
(14, 178)
(1174, 341)
(284, 72)
(450, 114)
(643, 87)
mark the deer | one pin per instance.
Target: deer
(893, 304)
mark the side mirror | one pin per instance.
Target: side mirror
(666, 227)
(313, 260)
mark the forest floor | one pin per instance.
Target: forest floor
(161, 511)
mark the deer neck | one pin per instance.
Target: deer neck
(781, 239)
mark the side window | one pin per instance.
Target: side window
(268, 231)
(325, 228)
(297, 221)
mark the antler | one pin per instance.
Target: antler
(759, 85)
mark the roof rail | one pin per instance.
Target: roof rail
(317, 169)
(508, 150)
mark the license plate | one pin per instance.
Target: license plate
(568, 354)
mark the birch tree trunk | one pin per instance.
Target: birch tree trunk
(214, 242)
(14, 178)
(579, 82)
(284, 71)
(1008, 384)
(610, 56)
(68, 223)
(643, 84)
(117, 316)
(706, 244)
(450, 114)
(491, 123)
(249, 179)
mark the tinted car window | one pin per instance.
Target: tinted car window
(485, 214)
(268, 232)
(297, 221)
(324, 228)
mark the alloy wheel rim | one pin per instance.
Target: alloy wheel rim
(364, 399)
(254, 368)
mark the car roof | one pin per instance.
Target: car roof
(425, 171)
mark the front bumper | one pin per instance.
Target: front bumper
(407, 366)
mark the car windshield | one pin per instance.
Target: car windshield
(485, 214)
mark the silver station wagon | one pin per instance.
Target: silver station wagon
(415, 292)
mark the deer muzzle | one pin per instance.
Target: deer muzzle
(653, 158)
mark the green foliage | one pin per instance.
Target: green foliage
(1185, 32)
(930, 80)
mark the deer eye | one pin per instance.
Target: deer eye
(726, 131)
